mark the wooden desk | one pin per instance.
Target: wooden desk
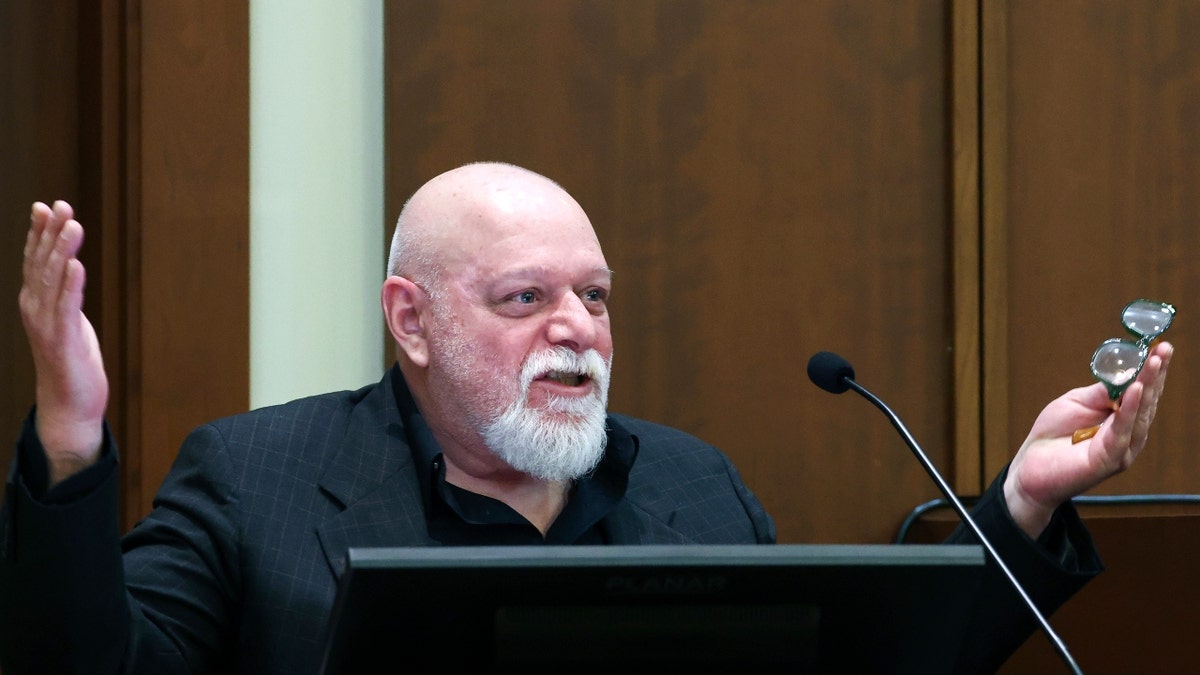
(1141, 615)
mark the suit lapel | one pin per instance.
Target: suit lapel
(631, 524)
(373, 480)
(632, 521)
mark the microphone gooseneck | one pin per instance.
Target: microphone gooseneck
(834, 374)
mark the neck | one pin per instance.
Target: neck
(539, 501)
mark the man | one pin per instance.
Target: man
(491, 429)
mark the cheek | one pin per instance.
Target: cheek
(604, 342)
(467, 375)
(506, 344)
(498, 350)
(489, 365)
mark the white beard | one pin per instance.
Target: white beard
(542, 443)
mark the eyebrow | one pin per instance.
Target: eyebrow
(539, 270)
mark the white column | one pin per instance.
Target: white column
(316, 196)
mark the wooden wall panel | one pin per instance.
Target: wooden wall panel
(137, 113)
(1101, 200)
(192, 231)
(60, 113)
(39, 134)
(769, 179)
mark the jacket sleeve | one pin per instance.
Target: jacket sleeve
(763, 524)
(75, 597)
(62, 601)
(1051, 569)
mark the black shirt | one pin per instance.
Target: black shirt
(460, 517)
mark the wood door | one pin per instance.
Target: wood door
(768, 179)
(1092, 198)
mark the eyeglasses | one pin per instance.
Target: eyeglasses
(1118, 361)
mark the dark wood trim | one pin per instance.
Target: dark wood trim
(964, 128)
(127, 262)
(994, 75)
(107, 39)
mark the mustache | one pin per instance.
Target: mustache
(589, 364)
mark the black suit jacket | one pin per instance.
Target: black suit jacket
(235, 569)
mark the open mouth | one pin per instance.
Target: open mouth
(565, 378)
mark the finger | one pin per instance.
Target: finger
(1078, 408)
(70, 301)
(70, 298)
(1154, 374)
(1089, 406)
(47, 239)
(1094, 396)
(65, 246)
(1160, 359)
(63, 209)
(1163, 348)
(1125, 441)
(38, 215)
(1131, 405)
(1156, 377)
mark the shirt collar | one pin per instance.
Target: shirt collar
(592, 497)
(425, 449)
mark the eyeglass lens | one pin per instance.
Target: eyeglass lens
(1147, 319)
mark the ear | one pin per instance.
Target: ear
(404, 304)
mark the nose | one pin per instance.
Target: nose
(572, 325)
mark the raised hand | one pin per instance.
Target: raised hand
(72, 389)
(1050, 469)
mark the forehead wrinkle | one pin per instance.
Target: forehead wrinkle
(546, 270)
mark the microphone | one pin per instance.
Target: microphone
(830, 372)
(834, 374)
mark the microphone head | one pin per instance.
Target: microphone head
(830, 372)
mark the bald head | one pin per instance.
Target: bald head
(450, 218)
(497, 297)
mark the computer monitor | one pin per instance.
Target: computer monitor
(803, 608)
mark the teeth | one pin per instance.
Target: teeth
(569, 379)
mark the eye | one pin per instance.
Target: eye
(525, 297)
(596, 300)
